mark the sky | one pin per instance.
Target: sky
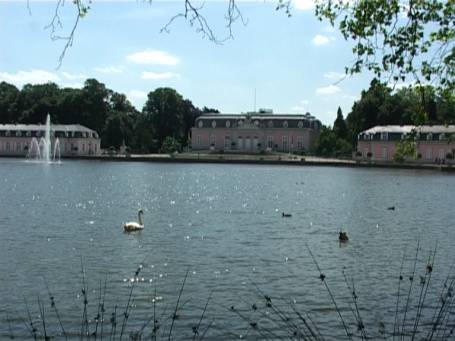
(291, 65)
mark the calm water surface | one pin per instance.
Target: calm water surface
(222, 224)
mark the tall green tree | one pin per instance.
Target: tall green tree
(339, 126)
(36, 101)
(95, 105)
(9, 95)
(120, 122)
(164, 108)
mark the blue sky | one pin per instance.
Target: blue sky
(293, 63)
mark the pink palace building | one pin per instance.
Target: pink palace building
(74, 139)
(433, 143)
(254, 132)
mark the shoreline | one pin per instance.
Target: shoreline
(268, 159)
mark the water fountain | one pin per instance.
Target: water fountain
(41, 151)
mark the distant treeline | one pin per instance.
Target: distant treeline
(166, 118)
(381, 105)
(166, 114)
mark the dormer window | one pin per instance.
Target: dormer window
(213, 124)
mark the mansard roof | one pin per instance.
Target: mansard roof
(42, 127)
(406, 129)
(258, 120)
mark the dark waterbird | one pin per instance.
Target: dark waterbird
(286, 215)
(391, 208)
(343, 237)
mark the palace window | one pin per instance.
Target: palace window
(300, 124)
(18, 133)
(270, 142)
(227, 142)
(200, 124)
(7, 133)
(285, 143)
(285, 124)
(270, 124)
(28, 133)
(429, 136)
(384, 136)
(228, 124)
(299, 142)
(213, 124)
(442, 136)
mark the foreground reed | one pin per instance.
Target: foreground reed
(424, 310)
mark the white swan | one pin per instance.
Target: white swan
(134, 226)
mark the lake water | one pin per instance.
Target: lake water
(222, 225)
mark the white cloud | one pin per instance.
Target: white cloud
(71, 76)
(334, 75)
(153, 57)
(137, 94)
(303, 5)
(34, 76)
(328, 90)
(302, 106)
(109, 69)
(159, 75)
(298, 108)
(320, 39)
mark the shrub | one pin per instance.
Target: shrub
(170, 145)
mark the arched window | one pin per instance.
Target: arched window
(200, 124)
(285, 124)
(213, 124)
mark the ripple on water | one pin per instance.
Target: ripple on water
(228, 234)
